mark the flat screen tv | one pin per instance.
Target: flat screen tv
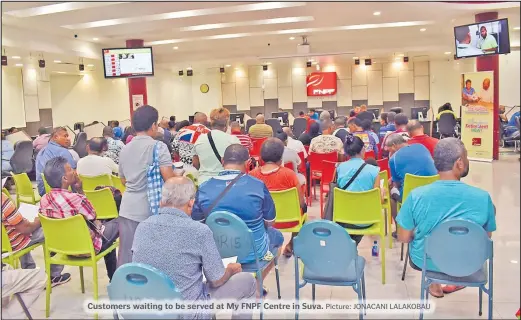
(128, 62)
(482, 38)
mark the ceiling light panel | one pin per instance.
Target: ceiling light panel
(57, 8)
(187, 14)
(247, 23)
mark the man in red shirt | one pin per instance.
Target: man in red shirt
(245, 139)
(415, 129)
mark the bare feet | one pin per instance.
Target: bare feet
(435, 290)
(288, 250)
(451, 288)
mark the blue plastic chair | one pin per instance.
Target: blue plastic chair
(330, 257)
(138, 281)
(459, 249)
(233, 238)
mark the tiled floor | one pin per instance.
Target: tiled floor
(500, 178)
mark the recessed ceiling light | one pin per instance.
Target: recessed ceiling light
(95, 39)
(422, 29)
(57, 61)
(377, 13)
(189, 68)
(228, 65)
(175, 48)
(513, 261)
(448, 52)
(354, 58)
(400, 55)
(16, 57)
(268, 63)
(517, 28)
(19, 65)
(62, 72)
(90, 65)
(397, 58)
(291, 38)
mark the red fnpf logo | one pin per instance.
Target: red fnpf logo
(321, 84)
(476, 142)
(518, 314)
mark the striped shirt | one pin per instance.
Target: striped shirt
(10, 219)
(61, 203)
(244, 139)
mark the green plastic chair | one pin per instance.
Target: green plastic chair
(69, 238)
(24, 189)
(386, 205)
(13, 259)
(90, 183)
(411, 182)
(116, 182)
(361, 208)
(287, 206)
(7, 194)
(45, 184)
(103, 202)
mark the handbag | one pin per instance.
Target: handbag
(214, 148)
(154, 182)
(328, 207)
(221, 195)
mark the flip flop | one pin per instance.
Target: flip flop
(452, 288)
(288, 253)
(435, 295)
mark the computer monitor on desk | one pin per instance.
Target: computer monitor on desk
(375, 112)
(239, 117)
(419, 113)
(282, 116)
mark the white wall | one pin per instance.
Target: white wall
(13, 110)
(509, 83)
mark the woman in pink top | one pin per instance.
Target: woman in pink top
(42, 140)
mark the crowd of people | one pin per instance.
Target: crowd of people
(170, 234)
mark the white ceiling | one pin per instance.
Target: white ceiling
(211, 34)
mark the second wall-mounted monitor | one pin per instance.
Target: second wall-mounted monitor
(128, 62)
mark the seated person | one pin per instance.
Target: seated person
(307, 136)
(28, 284)
(327, 143)
(260, 129)
(245, 139)
(341, 128)
(249, 199)
(387, 122)
(94, 164)
(448, 198)
(400, 122)
(355, 126)
(184, 250)
(417, 135)
(22, 234)
(367, 126)
(289, 155)
(404, 158)
(445, 109)
(7, 153)
(277, 178)
(42, 140)
(293, 143)
(57, 147)
(61, 203)
(367, 179)
(114, 146)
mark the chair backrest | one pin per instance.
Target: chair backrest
(23, 185)
(232, 236)
(369, 154)
(138, 281)
(458, 247)
(69, 235)
(275, 125)
(446, 124)
(289, 165)
(325, 248)
(6, 243)
(116, 182)
(256, 146)
(299, 126)
(383, 164)
(80, 146)
(7, 194)
(287, 205)
(412, 181)
(357, 207)
(103, 202)
(22, 158)
(90, 183)
(45, 184)
(249, 123)
(316, 160)
(328, 171)
(302, 167)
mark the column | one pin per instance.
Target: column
(136, 86)
(491, 63)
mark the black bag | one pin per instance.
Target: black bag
(328, 207)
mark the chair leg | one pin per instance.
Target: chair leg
(360, 299)
(480, 301)
(48, 288)
(81, 280)
(382, 239)
(363, 292)
(259, 278)
(313, 294)
(422, 296)
(401, 253)
(24, 307)
(95, 283)
(297, 288)
(405, 263)
(277, 276)
(321, 204)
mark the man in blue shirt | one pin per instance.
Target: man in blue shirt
(449, 198)
(512, 121)
(7, 153)
(355, 127)
(57, 147)
(248, 198)
(387, 122)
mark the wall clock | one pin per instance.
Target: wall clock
(204, 88)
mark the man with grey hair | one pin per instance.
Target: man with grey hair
(185, 250)
(449, 198)
(415, 129)
(413, 159)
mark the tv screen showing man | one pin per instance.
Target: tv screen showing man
(482, 38)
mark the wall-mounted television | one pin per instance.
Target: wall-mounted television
(128, 62)
(482, 38)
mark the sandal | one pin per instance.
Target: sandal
(435, 295)
(452, 288)
(288, 252)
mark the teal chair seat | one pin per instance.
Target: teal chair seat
(479, 276)
(352, 273)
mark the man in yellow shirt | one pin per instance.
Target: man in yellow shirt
(260, 129)
(487, 42)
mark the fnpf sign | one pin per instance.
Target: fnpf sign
(321, 84)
